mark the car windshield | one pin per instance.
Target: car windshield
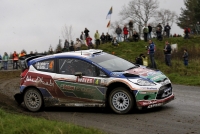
(113, 63)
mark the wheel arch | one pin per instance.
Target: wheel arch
(114, 85)
(33, 87)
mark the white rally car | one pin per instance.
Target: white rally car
(90, 78)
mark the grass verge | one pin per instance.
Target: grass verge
(21, 124)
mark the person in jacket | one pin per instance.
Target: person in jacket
(186, 31)
(108, 38)
(151, 51)
(103, 38)
(15, 60)
(167, 51)
(130, 24)
(22, 53)
(89, 42)
(145, 32)
(115, 42)
(135, 36)
(82, 38)
(97, 39)
(150, 30)
(159, 33)
(118, 31)
(5, 61)
(185, 57)
(86, 31)
(125, 30)
(78, 44)
(167, 30)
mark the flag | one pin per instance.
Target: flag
(108, 24)
(109, 14)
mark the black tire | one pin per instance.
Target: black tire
(33, 100)
(121, 101)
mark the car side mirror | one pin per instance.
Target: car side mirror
(79, 74)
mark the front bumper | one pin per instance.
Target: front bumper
(154, 103)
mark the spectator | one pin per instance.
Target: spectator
(167, 51)
(108, 39)
(142, 60)
(150, 30)
(135, 36)
(125, 30)
(115, 42)
(0, 58)
(145, 32)
(82, 37)
(71, 48)
(151, 51)
(130, 24)
(197, 28)
(159, 25)
(174, 35)
(89, 42)
(159, 34)
(15, 60)
(103, 38)
(86, 31)
(167, 30)
(5, 61)
(97, 39)
(78, 44)
(22, 53)
(186, 31)
(118, 31)
(185, 57)
(66, 45)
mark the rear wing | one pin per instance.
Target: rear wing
(23, 61)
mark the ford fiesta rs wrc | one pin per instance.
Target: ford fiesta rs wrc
(90, 78)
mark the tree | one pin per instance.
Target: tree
(165, 16)
(140, 11)
(197, 10)
(187, 16)
(67, 32)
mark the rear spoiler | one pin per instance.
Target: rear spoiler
(23, 61)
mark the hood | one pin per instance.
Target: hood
(153, 75)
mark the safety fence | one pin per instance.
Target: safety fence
(9, 65)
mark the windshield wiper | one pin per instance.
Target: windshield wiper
(132, 67)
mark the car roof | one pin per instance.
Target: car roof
(78, 54)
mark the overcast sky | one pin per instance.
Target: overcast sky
(35, 24)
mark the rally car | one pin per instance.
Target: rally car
(90, 78)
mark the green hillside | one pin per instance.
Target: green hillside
(178, 73)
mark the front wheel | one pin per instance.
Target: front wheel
(33, 100)
(121, 101)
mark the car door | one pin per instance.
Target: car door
(80, 81)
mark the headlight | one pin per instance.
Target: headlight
(143, 82)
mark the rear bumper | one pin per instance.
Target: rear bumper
(154, 103)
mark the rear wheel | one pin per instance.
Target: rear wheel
(121, 101)
(33, 100)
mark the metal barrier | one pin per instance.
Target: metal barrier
(10, 64)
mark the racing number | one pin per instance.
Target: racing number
(51, 64)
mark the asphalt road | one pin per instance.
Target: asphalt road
(181, 116)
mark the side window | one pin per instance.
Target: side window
(70, 66)
(66, 66)
(45, 65)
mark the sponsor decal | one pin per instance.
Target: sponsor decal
(155, 105)
(46, 65)
(97, 81)
(67, 87)
(39, 80)
(85, 90)
(104, 81)
(85, 80)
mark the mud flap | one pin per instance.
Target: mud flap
(18, 98)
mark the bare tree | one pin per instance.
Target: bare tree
(67, 32)
(165, 16)
(140, 11)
